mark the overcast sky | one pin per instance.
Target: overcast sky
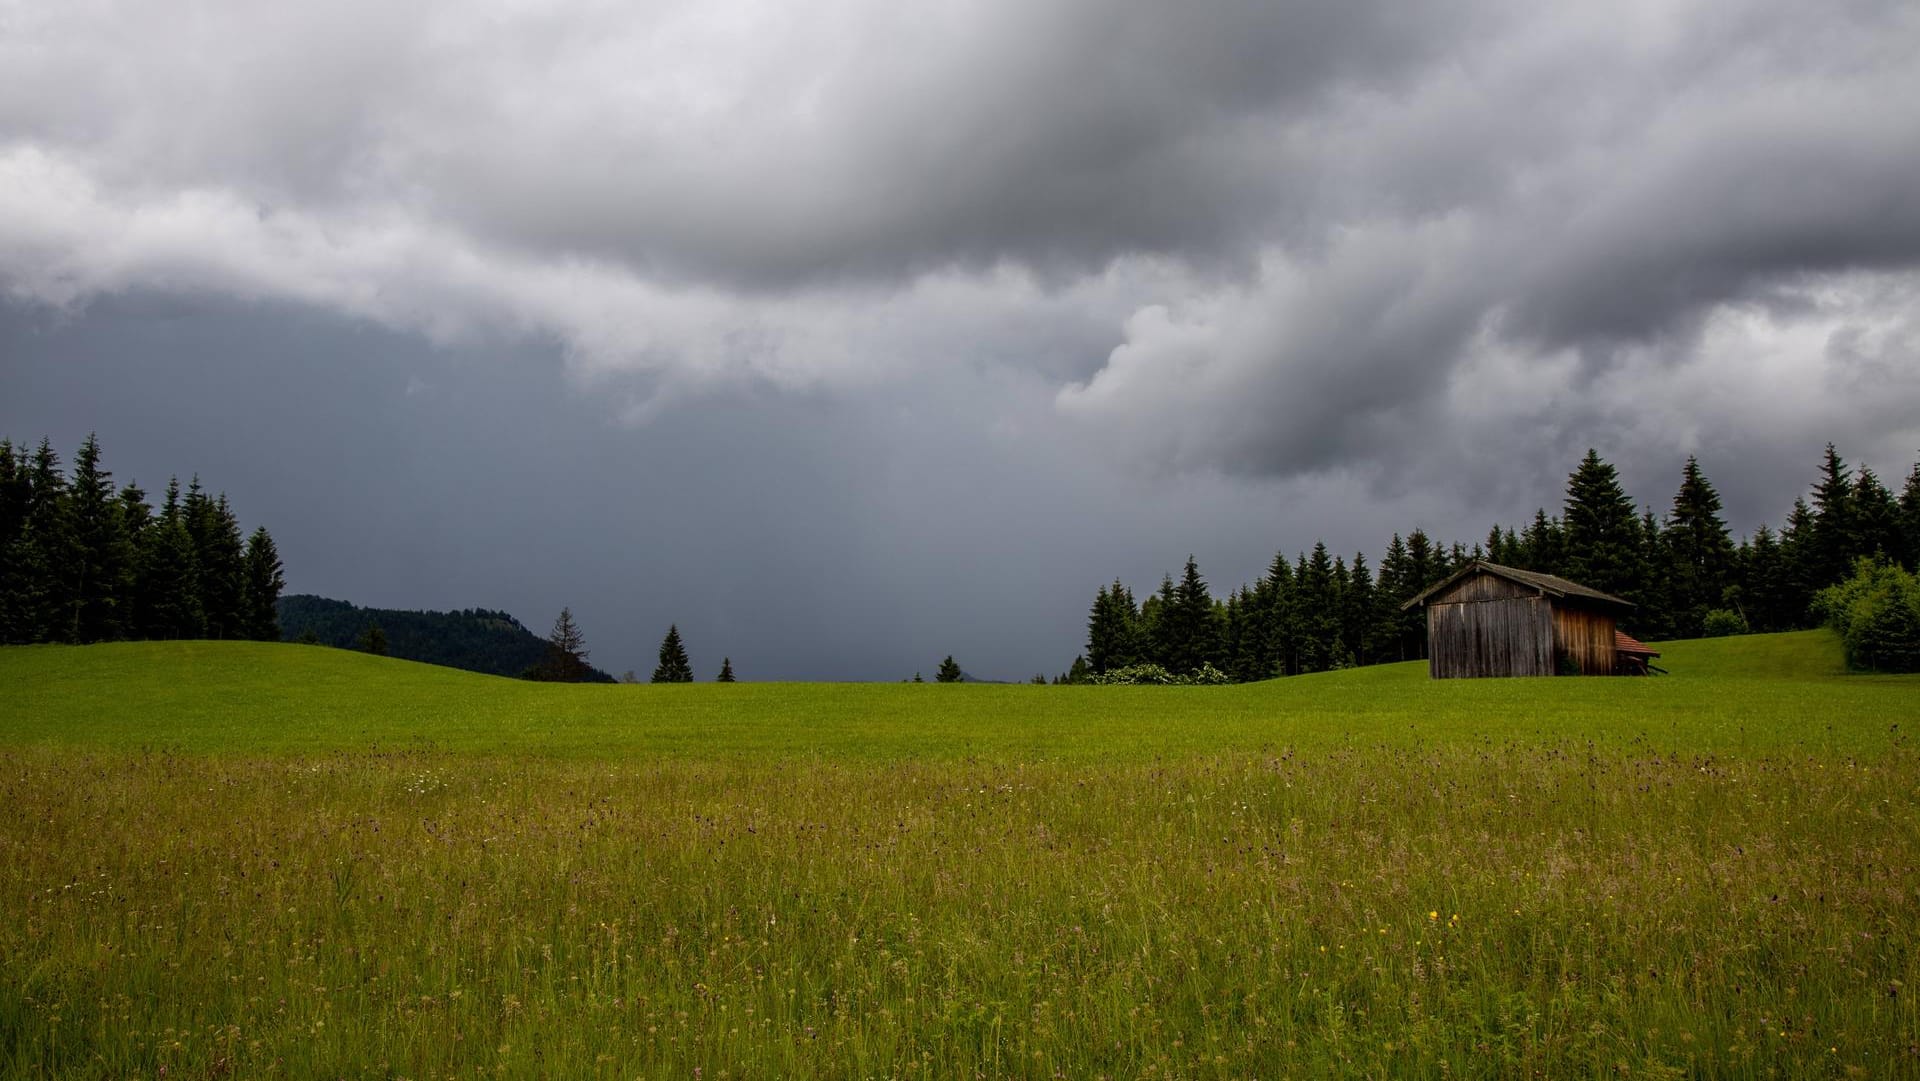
(850, 334)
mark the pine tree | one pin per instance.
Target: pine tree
(1078, 672)
(1269, 621)
(373, 640)
(263, 580)
(565, 660)
(1317, 612)
(726, 671)
(219, 558)
(1834, 540)
(38, 601)
(1395, 587)
(674, 666)
(15, 492)
(1113, 629)
(1652, 616)
(1797, 565)
(1190, 634)
(136, 518)
(1699, 552)
(1876, 517)
(104, 560)
(1358, 611)
(1543, 546)
(1909, 555)
(1763, 587)
(1153, 626)
(948, 672)
(1603, 535)
(166, 587)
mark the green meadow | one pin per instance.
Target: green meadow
(247, 860)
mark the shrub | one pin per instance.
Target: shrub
(1723, 622)
(1153, 675)
(1877, 615)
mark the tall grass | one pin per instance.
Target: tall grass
(235, 860)
(1486, 908)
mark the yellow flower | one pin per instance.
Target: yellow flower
(1433, 915)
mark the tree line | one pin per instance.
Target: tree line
(566, 657)
(1682, 570)
(82, 562)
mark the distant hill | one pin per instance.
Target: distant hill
(475, 639)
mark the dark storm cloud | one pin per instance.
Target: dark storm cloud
(1115, 274)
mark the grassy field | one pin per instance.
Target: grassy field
(241, 860)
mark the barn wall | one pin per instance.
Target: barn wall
(1482, 587)
(1585, 636)
(1507, 637)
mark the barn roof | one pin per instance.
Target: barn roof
(1626, 643)
(1550, 584)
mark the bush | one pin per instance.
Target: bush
(1722, 623)
(1877, 615)
(1152, 675)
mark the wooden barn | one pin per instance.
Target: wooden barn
(1490, 620)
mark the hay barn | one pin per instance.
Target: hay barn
(1490, 620)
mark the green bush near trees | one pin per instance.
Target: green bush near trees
(1724, 623)
(1877, 615)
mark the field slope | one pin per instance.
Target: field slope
(1766, 691)
(263, 860)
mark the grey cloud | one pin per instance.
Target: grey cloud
(1606, 215)
(1082, 279)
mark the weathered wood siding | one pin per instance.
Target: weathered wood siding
(1482, 587)
(1508, 636)
(1586, 637)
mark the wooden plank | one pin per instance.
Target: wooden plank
(1512, 637)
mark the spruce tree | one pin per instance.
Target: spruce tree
(1876, 517)
(1358, 611)
(1798, 570)
(726, 671)
(166, 586)
(219, 559)
(1652, 615)
(674, 666)
(373, 640)
(1153, 626)
(1833, 541)
(1763, 588)
(264, 580)
(1395, 587)
(1246, 636)
(1543, 546)
(103, 559)
(1190, 634)
(1699, 552)
(1909, 555)
(15, 492)
(43, 564)
(566, 655)
(136, 518)
(1317, 612)
(948, 672)
(1113, 629)
(1603, 535)
(1273, 616)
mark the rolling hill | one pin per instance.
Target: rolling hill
(474, 639)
